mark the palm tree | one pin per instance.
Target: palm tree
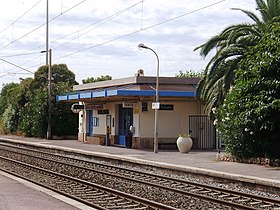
(231, 45)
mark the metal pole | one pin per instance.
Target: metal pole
(157, 99)
(49, 132)
(84, 124)
(156, 110)
(47, 32)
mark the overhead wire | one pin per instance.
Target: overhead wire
(131, 33)
(17, 66)
(185, 14)
(34, 58)
(143, 29)
(19, 54)
(21, 16)
(97, 23)
(62, 13)
(35, 29)
(26, 52)
(101, 22)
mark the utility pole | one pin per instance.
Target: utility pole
(47, 33)
(49, 64)
(49, 132)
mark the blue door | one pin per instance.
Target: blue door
(125, 121)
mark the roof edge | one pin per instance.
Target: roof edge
(104, 84)
(137, 80)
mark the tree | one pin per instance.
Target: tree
(231, 45)
(28, 111)
(97, 79)
(64, 122)
(8, 107)
(8, 91)
(249, 119)
(189, 73)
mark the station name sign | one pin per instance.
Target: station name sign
(94, 106)
(127, 105)
(76, 108)
(160, 106)
(166, 107)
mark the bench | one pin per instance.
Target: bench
(160, 144)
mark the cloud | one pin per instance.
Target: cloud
(109, 44)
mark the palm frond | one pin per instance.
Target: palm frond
(268, 9)
(250, 14)
(231, 46)
(209, 45)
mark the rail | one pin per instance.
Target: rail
(225, 197)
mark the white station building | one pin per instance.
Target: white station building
(114, 106)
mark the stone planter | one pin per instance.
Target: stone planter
(184, 144)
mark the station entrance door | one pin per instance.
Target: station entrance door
(125, 121)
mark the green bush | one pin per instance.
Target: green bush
(249, 119)
(24, 105)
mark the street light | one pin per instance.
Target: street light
(49, 130)
(157, 104)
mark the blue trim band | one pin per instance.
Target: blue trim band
(108, 93)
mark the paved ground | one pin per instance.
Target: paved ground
(17, 194)
(202, 161)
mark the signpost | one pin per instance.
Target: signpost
(155, 105)
(76, 108)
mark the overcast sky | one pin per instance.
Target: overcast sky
(97, 38)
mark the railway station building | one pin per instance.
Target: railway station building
(112, 108)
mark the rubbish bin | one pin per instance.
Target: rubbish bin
(128, 140)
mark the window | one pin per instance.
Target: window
(144, 106)
(95, 122)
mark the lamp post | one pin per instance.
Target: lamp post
(49, 130)
(157, 104)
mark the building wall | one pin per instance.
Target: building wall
(171, 123)
(136, 118)
(101, 128)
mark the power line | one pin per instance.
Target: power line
(19, 54)
(22, 36)
(142, 29)
(101, 22)
(103, 43)
(137, 31)
(16, 66)
(20, 17)
(41, 26)
(185, 14)
(62, 13)
(13, 74)
(35, 58)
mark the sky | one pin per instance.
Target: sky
(95, 38)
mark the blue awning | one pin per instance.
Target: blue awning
(110, 93)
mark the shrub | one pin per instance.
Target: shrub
(249, 119)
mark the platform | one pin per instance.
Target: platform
(195, 161)
(18, 194)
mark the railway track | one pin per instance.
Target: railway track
(224, 197)
(93, 195)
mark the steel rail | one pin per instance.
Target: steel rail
(124, 196)
(214, 190)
